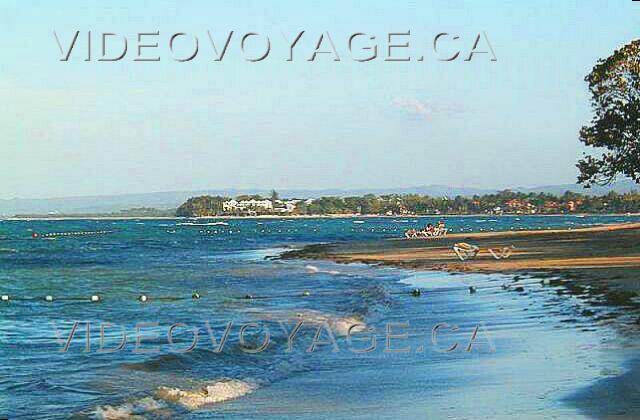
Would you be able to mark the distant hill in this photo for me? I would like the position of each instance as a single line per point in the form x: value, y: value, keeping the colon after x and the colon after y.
x: 619, y: 187
x: 172, y: 199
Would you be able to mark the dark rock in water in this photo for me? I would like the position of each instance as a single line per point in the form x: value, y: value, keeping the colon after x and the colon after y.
x: 416, y: 292
x: 472, y: 289
x: 519, y: 289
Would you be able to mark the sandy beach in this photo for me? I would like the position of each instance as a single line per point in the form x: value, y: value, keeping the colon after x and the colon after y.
x: 607, y: 246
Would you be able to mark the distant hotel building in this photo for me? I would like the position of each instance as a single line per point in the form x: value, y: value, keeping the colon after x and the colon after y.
x: 244, y: 205
x: 259, y: 206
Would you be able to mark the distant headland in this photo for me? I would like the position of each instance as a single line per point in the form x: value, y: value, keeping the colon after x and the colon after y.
x: 501, y: 203
x: 115, y: 204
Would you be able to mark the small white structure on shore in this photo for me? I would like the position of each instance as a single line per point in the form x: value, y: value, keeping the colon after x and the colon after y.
x: 253, y: 205
x: 229, y: 206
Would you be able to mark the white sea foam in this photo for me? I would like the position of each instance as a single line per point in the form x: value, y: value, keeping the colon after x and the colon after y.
x: 210, y: 393
x: 130, y: 410
x: 202, y: 224
x: 344, y: 325
x: 312, y: 269
x: 339, y: 325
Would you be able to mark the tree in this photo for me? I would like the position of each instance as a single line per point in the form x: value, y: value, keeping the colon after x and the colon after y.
x: 202, y: 206
x: 614, y: 84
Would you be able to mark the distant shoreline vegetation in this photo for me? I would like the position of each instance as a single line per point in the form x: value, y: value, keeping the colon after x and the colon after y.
x: 504, y: 202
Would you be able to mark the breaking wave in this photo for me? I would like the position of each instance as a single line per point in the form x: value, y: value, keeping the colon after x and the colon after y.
x: 130, y: 410
x: 312, y: 269
x: 202, y: 224
x: 204, y: 395
x: 211, y: 393
x: 339, y: 324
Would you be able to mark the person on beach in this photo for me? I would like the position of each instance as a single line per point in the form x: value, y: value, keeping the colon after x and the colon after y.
x: 430, y: 230
x: 411, y: 233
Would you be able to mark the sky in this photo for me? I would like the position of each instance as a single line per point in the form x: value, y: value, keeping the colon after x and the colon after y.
x: 81, y: 127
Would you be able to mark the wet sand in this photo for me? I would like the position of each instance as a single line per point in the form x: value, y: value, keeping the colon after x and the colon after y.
x: 600, y: 266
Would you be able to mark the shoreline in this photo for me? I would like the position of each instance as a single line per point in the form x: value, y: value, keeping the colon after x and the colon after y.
x: 302, y: 216
x: 604, y: 246
x: 599, y: 266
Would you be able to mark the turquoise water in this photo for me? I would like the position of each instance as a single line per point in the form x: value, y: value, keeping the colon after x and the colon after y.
x: 532, y: 350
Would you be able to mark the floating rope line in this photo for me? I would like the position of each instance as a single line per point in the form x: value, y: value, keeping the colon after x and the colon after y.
x: 91, y: 299
x: 146, y: 298
x: 416, y: 292
x: 36, y: 235
x: 50, y: 298
x: 515, y: 285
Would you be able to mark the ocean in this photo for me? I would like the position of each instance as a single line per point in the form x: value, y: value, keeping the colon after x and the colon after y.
x: 199, y: 319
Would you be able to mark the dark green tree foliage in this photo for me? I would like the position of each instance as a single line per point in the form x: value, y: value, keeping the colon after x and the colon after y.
x: 614, y: 131
x: 508, y: 202
x: 205, y: 205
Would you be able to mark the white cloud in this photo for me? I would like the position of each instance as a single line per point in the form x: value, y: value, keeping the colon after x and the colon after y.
x: 423, y: 109
x: 414, y: 106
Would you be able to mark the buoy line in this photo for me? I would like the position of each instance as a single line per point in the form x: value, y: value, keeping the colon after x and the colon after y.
x: 517, y: 286
x: 36, y: 235
x: 415, y: 292
x: 97, y: 298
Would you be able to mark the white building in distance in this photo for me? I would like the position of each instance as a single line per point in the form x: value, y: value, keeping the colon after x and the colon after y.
x: 264, y: 206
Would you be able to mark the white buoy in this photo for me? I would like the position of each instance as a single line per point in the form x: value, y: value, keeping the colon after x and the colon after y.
x: 95, y: 298
x: 546, y: 281
x: 142, y: 298
x: 4, y: 298
x: 48, y: 298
